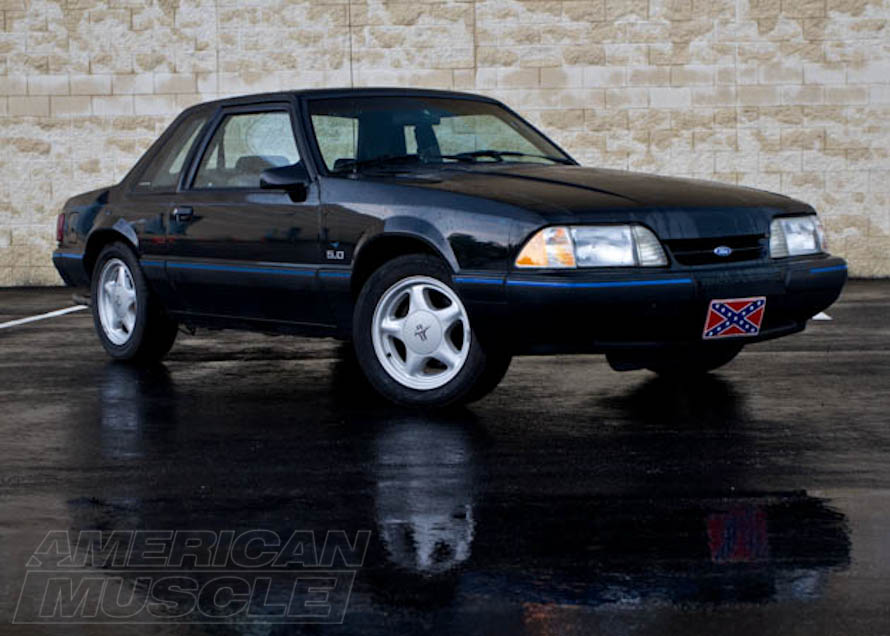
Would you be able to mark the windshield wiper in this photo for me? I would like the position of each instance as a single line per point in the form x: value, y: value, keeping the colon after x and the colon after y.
x: 404, y: 161
x: 499, y: 155
x: 355, y: 165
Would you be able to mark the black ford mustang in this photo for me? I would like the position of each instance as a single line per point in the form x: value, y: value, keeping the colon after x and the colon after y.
x: 441, y: 233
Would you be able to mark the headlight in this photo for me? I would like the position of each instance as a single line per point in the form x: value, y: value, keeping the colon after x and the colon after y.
x: 592, y: 246
x: 796, y: 235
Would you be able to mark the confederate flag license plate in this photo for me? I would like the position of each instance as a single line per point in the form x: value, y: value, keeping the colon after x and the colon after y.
x: 734, y: 317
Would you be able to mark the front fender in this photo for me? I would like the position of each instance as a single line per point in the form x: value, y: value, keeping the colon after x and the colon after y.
x: 418, y: 229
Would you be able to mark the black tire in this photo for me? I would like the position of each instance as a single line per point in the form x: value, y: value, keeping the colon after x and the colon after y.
x: 496, y: 367
x: 694, y: 360
x: 481, y: 371
x: 154, y: 331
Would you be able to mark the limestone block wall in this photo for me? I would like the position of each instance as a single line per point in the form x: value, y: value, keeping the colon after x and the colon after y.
x: 787, y: 95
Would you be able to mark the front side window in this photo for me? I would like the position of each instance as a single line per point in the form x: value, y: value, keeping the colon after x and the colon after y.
x: 355, y: 132
x: 162, y: 173
x: 243, y: 146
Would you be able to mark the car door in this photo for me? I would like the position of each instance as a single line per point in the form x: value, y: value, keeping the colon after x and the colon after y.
x: 236, y: 250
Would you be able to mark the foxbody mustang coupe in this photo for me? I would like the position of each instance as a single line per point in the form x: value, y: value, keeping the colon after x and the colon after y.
x: 442, y: 234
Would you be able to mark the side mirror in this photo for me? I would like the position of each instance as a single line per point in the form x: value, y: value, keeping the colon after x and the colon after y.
x: 293, y: 179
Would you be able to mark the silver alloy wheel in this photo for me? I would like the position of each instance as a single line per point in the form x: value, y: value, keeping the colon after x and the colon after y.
x: 421, y: 333
x: 117, y: 301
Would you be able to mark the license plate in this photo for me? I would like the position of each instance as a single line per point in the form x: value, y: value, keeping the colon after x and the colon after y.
x: 734, y: 317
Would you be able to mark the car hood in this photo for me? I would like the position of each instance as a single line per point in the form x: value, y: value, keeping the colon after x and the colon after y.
x: 674, y: 207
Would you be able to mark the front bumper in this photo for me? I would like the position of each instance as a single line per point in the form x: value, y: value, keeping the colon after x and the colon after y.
x: 586, y: 311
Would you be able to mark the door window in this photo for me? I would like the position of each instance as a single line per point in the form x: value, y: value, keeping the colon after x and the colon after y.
x: 243, y: 146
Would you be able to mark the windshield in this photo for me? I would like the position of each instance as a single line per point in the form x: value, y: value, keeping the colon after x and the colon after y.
x: 355, y: 133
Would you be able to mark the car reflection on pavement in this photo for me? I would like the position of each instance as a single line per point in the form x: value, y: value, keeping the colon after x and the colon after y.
x: 447, y: 525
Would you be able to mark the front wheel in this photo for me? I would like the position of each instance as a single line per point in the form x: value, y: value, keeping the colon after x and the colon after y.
x: 694, y: 360
x: 129, y: 320
x: 413, y: 337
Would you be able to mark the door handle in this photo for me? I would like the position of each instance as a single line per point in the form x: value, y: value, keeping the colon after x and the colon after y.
x: 182, y: 213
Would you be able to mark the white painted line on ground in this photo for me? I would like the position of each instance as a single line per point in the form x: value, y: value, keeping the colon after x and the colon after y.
x: 822, y: 316
x: 52, y: 314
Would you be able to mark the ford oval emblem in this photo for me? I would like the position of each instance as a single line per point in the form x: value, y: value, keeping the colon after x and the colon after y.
x: 723, y: 250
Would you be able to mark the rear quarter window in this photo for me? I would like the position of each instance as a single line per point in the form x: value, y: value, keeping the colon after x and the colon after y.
x: 162, y: 172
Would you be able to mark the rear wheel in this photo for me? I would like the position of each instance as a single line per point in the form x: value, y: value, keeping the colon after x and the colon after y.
x: 694, y: 360
x: 414, y: 340
x: 129, y: 320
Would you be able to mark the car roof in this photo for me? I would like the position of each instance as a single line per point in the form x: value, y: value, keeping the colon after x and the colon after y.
x: 333, y: 93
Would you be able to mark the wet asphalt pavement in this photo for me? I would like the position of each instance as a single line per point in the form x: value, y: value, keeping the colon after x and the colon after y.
x: 572, y: 500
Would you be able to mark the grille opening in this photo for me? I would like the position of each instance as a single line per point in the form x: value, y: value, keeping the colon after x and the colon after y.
x: 746, y: 247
